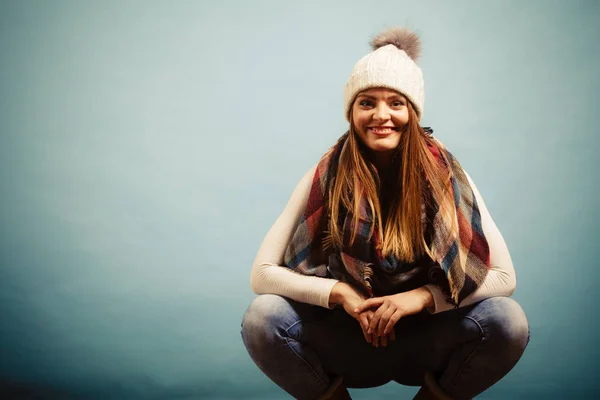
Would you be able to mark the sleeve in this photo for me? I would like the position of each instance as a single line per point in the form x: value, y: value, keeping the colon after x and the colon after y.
x: 269, y: 276
x: 501, y: 278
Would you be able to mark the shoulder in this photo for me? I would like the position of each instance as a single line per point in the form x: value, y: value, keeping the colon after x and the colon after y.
x: 301, y: 192
x: 306, y: 181
x: 474, y: 188
x: 309, y: 175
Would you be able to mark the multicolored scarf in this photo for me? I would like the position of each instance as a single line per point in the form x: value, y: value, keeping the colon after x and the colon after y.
x: 464, y: 257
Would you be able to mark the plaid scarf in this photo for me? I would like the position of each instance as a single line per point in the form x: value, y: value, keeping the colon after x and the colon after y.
x: 464, y: 258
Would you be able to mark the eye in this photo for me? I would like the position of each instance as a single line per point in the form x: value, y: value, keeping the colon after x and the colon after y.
x: 365, y: 103
x: 397, y: 103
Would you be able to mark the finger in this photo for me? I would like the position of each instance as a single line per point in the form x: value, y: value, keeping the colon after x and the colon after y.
x: 372, y: 302
x: 364, y: 324
x: 392, y: 335
x: 389, y: 338
x: 384, y: 341
x: 377, y: 316
x: 392, y: 321
x: 383, y: 321
x: 366, y: 321
x: 375, y: 341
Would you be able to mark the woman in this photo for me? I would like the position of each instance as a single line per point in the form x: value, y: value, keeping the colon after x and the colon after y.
x: 385, y: 264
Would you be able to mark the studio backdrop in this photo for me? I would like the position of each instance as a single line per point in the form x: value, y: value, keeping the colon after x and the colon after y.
x: 146, y: 148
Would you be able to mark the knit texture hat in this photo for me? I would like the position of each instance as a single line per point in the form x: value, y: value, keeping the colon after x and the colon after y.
x: 391, y: 64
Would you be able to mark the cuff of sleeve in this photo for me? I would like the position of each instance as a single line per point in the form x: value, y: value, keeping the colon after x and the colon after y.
x: 328, y: 286
x: 440, y: 303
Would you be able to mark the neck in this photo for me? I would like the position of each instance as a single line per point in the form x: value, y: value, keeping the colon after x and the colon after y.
x: 382, y: 161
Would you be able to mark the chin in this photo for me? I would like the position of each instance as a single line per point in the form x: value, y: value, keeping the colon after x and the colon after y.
x: 384, y: 144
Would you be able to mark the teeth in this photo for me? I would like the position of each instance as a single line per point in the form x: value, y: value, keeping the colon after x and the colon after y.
x: 382, y: 130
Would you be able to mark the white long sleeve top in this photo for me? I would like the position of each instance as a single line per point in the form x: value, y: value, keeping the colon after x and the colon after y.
x: 268, y: 275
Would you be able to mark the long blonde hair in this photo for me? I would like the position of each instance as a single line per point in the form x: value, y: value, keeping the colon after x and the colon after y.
x: 402, y: 234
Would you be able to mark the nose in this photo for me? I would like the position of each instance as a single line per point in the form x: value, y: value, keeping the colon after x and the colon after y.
x: 381, y: 112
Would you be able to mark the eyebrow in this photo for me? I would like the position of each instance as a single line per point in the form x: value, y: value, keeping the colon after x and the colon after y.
x: 394, y: 96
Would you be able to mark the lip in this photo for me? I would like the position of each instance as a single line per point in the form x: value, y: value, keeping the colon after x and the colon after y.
x: 391, y: 129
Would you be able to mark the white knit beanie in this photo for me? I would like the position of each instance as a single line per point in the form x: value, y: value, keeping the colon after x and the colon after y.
x: 391, y: 64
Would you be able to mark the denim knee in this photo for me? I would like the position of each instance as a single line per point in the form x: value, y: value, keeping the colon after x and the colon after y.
x: 264, y: 320
x: 271, y: 331
x: 503, y: 322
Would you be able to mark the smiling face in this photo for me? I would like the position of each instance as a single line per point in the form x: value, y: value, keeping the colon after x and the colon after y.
x: 379, y: 115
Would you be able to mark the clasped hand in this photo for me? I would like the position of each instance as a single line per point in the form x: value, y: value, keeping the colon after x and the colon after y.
x: 378, y: 315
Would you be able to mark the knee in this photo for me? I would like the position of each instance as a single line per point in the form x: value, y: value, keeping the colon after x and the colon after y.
x: 263, y: 320
x: 504, y: 323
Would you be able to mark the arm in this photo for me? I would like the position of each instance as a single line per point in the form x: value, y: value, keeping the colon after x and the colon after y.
x: 268, y: 274
x: 500, y: 280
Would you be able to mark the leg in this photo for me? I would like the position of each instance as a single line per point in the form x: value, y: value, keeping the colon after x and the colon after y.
x: 271, y: 330
x: 503, y: 333
x: 469, y: 349
x: 302, y: 347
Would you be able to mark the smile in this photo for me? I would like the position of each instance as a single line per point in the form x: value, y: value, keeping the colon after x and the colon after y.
x: 382, y: 130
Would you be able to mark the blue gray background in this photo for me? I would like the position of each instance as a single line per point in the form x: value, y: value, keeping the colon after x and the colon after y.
x: 147, y: 147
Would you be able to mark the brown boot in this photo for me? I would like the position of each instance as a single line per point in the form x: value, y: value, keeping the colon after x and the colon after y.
x: 336, y: 391
x: 430, y: 390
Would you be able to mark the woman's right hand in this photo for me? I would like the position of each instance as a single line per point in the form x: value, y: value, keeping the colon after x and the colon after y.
x: 350, y: 299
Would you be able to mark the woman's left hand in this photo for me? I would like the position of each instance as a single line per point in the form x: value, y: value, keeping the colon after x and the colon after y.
x: 391, y: 308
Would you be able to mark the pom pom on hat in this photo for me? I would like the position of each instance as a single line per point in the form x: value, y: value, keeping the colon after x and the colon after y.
x: 402, y: 38
x: 391, y: 64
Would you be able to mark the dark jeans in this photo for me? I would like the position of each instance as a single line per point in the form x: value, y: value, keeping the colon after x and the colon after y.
x: 301, y: 347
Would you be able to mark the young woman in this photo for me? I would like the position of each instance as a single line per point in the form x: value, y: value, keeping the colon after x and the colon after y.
x: 385, y: 264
